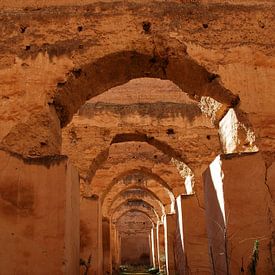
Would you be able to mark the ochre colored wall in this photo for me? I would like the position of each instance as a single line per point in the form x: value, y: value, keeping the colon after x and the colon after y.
x: 238, y: 212
x: 135, y: 249
x: 39, y: 214
x: 91, y: 234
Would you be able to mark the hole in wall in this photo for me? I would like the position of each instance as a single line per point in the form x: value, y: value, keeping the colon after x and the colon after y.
x: 261, y: 24
x: 61, y: 84
x: 212, y: 77
x: 76, y: 72
x: 170, y: 131
x: 22, y: 28
x: 146, y: 25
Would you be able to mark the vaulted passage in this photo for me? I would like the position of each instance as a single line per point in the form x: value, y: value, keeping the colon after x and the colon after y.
x: 137, y: 137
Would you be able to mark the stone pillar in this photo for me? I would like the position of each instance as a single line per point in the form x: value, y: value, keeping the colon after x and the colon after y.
x: 39, y: 214
x: 151, y: 248
x: 193, y: 242
x: 113, y: 246
x: 154, y: 246
x: 118, y: 249
x: 107, y: 258
x: 116, y: 257
x: 91, y: 233
x: 237, y: 213
x: 161, y: 246
x: 170, y: 230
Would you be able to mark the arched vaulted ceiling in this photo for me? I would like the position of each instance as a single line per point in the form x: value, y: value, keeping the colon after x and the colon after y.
x: 87, y: 65
x: 140, y: 175
x: 125, y: 208
x: 174, y: 64
x: 174, y: 137
x: 162, y: 146
x: 157, y: 190
x: 134, y: 221
x: 134, y: 191
x: 136, y: 194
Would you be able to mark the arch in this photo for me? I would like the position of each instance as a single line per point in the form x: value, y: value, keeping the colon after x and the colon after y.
x: 164, y: 199
x: 117, y: 214
x: 113, y: 69
x: 142, y: 170
x: 157, y: 206
x: 140, y: 188
x: 134, y: 210
x: 162, y: 146
x: 158, y: 144
x: 140, y: 203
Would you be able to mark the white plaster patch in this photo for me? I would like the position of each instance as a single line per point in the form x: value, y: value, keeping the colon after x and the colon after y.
x: 209, y: 107
x: 186, y: 173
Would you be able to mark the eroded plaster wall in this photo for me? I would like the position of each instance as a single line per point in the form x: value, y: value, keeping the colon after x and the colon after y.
x: 66, y: 58
x: 238, y: 214
x: 39, y: 208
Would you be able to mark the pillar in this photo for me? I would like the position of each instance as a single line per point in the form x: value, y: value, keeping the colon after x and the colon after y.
x: 161, y: 246
x: 115, y: 248
x: 192, y: 243
x: 154, y: 247
x: 39, y: 214
x: 170, y: 230
x: 118, y: 248
x: 107, y: 258
x: 151, y: 248
x: 91, y: 233
x: 237, y: 214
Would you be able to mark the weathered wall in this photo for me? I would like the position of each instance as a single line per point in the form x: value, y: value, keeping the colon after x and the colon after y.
x: 38, y: 62
x: 238, y: 213
x: 161, y: 246
x: 45, y: 3
x: 135, y: 249
x: 192, y: 240
x: 91, y: 234
x: 39, y: 209
x: 162, y: 122
x: 170, y: 224
x: 53, y: 59
x: 106, y: 244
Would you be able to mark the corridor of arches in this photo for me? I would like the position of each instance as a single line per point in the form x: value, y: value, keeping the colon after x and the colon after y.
x: 136, y: 138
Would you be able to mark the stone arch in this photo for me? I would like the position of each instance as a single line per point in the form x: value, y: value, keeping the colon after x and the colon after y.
x: 106, y: 206
x: 146, y: 197
x: 140, y: 137
x: 165, y: 198
x: 136, y: 203
x: 141, y: 170
x: 158, y: 144
x: 125, y: 209
x: 135, y: 210
x: 117, y: 68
